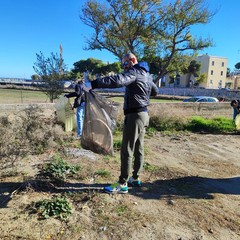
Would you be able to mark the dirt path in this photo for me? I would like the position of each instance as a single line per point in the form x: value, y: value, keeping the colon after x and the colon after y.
x: 191, y: 191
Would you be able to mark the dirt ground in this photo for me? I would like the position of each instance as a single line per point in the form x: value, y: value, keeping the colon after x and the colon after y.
x: 190, y: 191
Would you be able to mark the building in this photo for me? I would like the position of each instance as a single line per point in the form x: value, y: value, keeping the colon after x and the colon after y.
x: 216, y: 72
x: 233, y: 81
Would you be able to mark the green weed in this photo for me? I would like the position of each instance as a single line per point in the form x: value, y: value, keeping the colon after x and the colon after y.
x: 150, y: 168
x: 103, y: 173
x: 58, y: 207
x: 216, y: 125
x: 195, y: 124
x: 58, y: 169
x: 117, y: 144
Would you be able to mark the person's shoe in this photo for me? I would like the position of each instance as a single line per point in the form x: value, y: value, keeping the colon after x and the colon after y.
x: 117, y: 188
x: 134, y: 182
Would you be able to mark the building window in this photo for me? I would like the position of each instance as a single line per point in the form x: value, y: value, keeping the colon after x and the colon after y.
x: 222, y: 64
x: 211, y: 81
x: 220, y: 84
x: 212, y: 63
x: 221, y: 73
x: 211, y: 72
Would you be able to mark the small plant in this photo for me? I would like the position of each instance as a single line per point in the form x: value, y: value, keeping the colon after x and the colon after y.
x: 122, y: 209
x: 59, y: 169
x: 117, y: 144
x: 150, y: 131
x: 150, y: 168
x: 58, y: 207
x: 103, y: 173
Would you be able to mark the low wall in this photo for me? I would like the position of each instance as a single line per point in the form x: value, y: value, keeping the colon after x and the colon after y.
x: 170, y: 109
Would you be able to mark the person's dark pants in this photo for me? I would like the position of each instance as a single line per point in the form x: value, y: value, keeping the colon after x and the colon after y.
x: 133, y: 145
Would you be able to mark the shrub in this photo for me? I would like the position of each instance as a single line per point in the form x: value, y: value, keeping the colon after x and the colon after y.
x: 166, y: 124
x: 27, y: 133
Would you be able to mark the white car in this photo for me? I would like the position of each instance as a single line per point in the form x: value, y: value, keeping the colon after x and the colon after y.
x: 201, y: 99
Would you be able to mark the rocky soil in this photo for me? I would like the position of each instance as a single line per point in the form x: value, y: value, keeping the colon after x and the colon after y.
x: 190, y: 191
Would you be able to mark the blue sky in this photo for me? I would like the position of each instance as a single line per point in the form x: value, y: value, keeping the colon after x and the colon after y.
x: 30, y: 26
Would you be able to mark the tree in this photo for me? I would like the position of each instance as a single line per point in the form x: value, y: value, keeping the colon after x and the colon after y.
x: 51, y: 72
x: 237, y: 65
x: 202, y: 78
x: 151, y: 30
x: 228, y: 73
x: 35, y: 77
x: 95, y: 67
x: 193, y: 69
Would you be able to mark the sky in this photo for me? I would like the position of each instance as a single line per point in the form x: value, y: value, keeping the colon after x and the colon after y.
x: 30, y: 26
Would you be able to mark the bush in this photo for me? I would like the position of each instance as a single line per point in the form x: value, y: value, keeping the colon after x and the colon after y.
x: 166, y: 124
x: 27, y: 133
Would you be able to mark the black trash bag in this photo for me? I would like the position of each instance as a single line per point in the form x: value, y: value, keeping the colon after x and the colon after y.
x: 99, y: 123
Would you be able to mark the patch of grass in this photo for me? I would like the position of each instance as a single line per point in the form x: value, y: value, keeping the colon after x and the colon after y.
x: 103, y: 173
x: 150, y: 168
x: 8, y: 96
x: 195, y: 124
x: 216, y: 125
x: 121, y: 209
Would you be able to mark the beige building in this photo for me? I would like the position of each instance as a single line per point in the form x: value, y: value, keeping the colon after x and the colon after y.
x: 214, y: 67
x: 233, y: 82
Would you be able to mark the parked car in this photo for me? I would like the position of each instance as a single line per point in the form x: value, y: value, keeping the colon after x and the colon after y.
x: 201, y: 99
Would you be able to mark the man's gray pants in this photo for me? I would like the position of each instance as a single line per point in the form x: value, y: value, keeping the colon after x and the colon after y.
x: 133, y: 145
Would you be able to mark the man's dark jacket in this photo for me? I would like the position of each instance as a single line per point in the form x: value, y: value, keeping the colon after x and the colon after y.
x: 139, y: 87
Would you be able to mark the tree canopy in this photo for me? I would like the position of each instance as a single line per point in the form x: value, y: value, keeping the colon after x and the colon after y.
x: 237, y: 65
x: 153, y: 30
x: 95, y: 67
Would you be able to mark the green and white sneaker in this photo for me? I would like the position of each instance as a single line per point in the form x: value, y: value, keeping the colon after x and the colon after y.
x: 117, y: 188
x: 134, y: 182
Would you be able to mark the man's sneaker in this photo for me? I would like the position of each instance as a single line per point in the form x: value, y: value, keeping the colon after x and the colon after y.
x: 134, y: 182
x: 117, y: 188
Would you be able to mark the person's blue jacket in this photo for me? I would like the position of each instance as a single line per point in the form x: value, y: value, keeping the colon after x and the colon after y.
x: 236, y: 110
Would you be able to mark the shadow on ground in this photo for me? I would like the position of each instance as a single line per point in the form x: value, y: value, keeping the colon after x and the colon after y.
x: 185, y: 187
x: 189, y: 187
